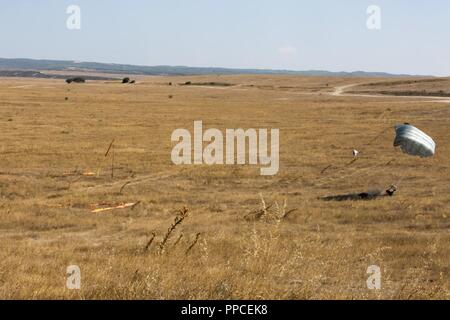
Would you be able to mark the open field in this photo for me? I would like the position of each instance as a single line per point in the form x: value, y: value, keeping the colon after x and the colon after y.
x: 439, y: 87
x: 53, y: 173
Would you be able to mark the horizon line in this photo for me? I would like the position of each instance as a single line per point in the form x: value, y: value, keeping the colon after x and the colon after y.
x: 273, y: 70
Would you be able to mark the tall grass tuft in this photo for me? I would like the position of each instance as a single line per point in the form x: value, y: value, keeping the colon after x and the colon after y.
x: 178, y: 220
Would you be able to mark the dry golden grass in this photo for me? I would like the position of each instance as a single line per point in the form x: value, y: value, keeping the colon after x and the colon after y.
x: 230, y: 245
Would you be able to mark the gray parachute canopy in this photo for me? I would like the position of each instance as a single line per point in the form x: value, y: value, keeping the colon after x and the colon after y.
x: 413, y: 141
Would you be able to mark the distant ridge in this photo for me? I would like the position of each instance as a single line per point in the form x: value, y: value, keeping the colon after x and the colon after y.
x: 38, y: 74
x: 65, y: 65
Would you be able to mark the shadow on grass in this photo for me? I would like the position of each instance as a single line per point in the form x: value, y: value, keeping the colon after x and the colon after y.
x: 369, y: 195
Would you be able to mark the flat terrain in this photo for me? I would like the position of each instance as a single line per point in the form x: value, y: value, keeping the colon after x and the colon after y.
x: 439, y: 87
x: 245, y: 236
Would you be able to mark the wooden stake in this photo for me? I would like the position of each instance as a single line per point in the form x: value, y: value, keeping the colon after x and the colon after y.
x: 112, y: 163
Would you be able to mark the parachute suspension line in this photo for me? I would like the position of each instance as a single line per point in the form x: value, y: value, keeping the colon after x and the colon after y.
x: 378, y: 136
x: 340, y: 169
x: 397, y: 183
x: 383, y: 131
x: 360, y: 171
x: 388, y: 127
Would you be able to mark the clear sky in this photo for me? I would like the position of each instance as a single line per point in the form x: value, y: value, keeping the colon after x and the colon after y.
x: 286, y: 34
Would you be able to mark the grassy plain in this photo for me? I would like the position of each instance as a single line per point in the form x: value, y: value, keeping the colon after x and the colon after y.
x: 53, y: 173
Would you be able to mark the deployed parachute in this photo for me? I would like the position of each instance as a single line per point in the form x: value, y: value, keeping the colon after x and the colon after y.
x: 413, y: 141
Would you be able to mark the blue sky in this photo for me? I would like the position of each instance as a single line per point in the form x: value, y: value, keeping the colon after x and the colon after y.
x: 286, y: 34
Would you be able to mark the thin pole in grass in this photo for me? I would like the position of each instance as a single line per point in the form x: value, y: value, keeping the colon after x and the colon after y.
x: 106, y: 155
x: 109, y: 148
x: 112, y: 162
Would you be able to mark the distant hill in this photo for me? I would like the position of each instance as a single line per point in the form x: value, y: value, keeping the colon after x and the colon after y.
x: 61, y: 65
x: 38, y: 74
